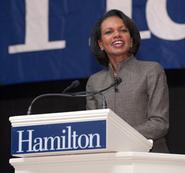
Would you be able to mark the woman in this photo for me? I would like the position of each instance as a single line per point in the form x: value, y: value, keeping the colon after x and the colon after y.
x: 141, y: 99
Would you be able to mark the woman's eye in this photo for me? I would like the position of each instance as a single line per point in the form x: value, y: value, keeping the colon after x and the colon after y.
x: 108, y: 32
x: 124, y: 30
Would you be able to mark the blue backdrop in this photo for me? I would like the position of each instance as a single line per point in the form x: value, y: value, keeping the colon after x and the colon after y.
x: 44, y: 40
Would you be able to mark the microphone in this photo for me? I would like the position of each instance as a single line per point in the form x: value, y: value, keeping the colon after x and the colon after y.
x: 117, y: 81
x: 115, y: 84
x: 74, y: 84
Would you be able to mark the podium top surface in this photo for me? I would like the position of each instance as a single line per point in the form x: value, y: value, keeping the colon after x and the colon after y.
x: 75, y: 116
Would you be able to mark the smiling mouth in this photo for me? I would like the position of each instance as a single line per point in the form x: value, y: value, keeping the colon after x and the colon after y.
x: 117, y: 43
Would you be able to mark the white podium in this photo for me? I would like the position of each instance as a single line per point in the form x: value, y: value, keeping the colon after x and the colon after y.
x: 85, y: 141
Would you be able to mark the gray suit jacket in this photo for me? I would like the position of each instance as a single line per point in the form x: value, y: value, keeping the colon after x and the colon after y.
x: 142, y: 98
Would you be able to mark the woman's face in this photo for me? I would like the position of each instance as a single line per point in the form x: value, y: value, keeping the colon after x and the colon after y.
x: 115, y: 38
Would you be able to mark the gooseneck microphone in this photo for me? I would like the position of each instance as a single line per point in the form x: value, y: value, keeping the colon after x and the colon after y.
x: 115, y: 84
x: 73, y: 85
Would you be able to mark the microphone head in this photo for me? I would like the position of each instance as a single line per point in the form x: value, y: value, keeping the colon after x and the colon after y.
x: 75, y: 83
x: 118, y: 80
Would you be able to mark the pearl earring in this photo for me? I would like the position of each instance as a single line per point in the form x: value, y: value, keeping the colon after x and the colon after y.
x: 131, y: 44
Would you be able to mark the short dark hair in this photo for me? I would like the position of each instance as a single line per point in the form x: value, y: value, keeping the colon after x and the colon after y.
x: 96, y: 35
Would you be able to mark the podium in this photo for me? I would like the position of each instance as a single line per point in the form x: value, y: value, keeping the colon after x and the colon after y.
x: 84, y: 141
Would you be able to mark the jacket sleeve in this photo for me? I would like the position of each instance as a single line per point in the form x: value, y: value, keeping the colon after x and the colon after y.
x: 157, y: 122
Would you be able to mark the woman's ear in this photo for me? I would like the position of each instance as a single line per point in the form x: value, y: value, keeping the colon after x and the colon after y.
x: 131, y: 43
x: 100, y: 45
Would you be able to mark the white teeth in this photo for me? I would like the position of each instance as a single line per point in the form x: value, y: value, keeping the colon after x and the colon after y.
x: 118, y: 42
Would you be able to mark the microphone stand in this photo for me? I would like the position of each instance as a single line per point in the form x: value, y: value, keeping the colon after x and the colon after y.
x: 77, y: 94
x: 87, y: 94
x: 74, y: 84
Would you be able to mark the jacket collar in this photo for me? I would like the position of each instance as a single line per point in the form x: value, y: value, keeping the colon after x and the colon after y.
x: 120, y: 66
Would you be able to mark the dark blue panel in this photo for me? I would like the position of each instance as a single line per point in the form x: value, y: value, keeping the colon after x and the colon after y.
x: 72, y: 21
x: 59, y: 137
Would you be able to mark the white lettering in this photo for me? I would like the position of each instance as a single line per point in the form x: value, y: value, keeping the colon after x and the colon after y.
x: 83, y: 139
x: 50, y: 141
x: 69, y: 136
x: 21, y: 141
x: 74, y: 137
x: 38, y: 144
x: 125, y: 6
x: 69, y: 140
x: 97, y: 139
x: 160, y: 23
x: 36, y: 38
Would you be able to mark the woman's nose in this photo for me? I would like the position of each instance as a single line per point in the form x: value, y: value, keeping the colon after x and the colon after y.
x: 116, y: 33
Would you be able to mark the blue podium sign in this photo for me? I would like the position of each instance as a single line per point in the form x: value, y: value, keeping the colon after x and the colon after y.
x: 62, y: 137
